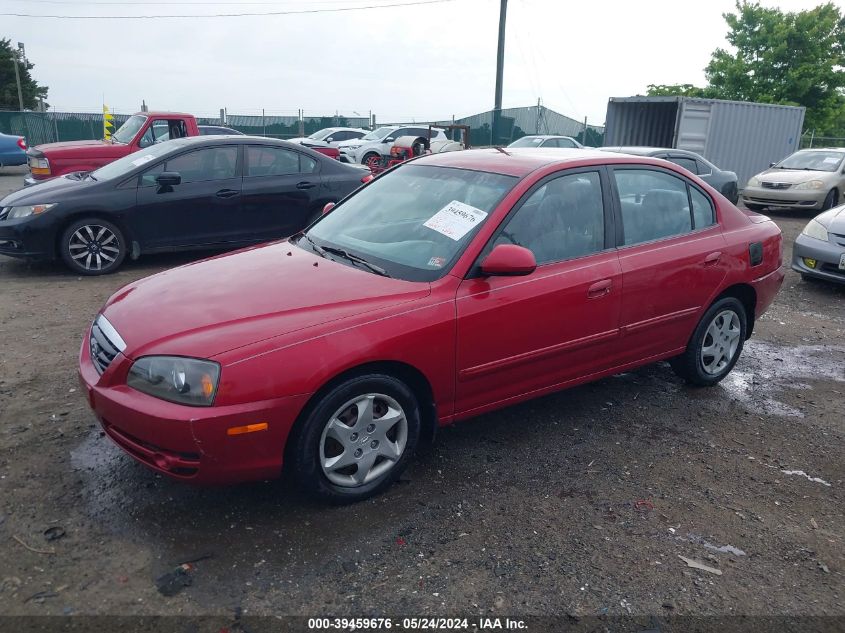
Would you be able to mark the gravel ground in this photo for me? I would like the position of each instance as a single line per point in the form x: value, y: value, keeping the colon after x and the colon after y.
x: 581, y: 503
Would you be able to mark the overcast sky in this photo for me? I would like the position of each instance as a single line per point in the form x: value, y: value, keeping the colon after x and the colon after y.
x: 402, y: 63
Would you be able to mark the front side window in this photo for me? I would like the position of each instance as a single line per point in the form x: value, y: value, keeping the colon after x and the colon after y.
x: 413, y: 222
x: 563, y: 219
x: 276, y: 161
x: 654, y: 205
x: 123, y: 166
x: 210, y: 163
x: 527, y: 141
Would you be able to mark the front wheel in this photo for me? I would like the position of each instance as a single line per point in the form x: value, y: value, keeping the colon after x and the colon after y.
x: 92, y: 247
x: 830, y: 200
x: 358, y: 439
x: 715, y: 344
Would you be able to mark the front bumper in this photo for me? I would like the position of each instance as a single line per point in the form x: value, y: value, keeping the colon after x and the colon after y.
x: 785, y: 198
x: 348, y: 156
x: 27, y: 238
x: 188, y: 443
x: 827, y: 255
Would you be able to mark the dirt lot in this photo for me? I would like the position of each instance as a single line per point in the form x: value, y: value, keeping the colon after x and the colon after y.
x: 532, y: 510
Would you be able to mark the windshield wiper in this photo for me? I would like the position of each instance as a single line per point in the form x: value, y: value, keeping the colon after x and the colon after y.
x: 355, y: 259
x: 317, y: 248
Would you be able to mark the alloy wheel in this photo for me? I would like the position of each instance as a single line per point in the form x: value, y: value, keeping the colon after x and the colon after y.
x: 721, y: 341
x: 363, y: 440
x: 93, y: 247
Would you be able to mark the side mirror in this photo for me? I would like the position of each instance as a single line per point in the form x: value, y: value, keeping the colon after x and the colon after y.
x: 772, y: 164
x: 329, y: 140
x: 509, y: 260
x: 389, y: 139
x: 329, y: 206
x: 169, y: 179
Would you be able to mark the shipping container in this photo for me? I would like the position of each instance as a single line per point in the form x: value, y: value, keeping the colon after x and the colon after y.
x: 735, y: 135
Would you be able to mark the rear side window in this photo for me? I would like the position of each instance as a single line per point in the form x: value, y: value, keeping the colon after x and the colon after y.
x: 563, y: 219
x: 687, y: 163
x: 654, y: 205
x: 276, y: 161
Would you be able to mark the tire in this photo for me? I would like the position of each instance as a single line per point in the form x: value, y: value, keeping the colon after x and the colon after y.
x: 722, y: 329
x: 369, y: 156
x: 754, y: 207
x: 92, y: 246
x: 341, y: 455
x: 830, y: 200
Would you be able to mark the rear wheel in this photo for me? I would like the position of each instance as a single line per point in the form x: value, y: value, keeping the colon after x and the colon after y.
x: 715, y: 344
x: 358, y: 439
x: 92, y: 247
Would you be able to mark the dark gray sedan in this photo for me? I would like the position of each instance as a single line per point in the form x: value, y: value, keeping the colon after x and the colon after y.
x: 820, y: 249
x: 725, y: 182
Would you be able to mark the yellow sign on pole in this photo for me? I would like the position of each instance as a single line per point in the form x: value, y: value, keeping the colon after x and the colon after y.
x: 108, y: 123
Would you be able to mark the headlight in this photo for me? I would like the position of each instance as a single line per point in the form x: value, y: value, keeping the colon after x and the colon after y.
x: 183, y: 380
x: 810, y: 184
x: 815, y: 230
x: 39, y: 163
x: 352, y: 148
x: 33, y: 209
x: 754, y: 181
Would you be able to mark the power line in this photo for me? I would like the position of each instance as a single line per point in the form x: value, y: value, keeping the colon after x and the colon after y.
x: 224, y: 15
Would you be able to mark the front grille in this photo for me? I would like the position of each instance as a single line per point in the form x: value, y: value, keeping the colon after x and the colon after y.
x: 776, y: 185
x: 104, y: 348
x: 838, y: 238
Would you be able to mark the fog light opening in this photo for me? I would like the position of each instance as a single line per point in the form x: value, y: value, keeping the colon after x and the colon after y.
x: 809, y: 262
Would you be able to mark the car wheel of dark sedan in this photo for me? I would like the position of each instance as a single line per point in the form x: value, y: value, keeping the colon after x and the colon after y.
x: 715, y: 345
x: 93, y: 247
x: 358, y: 439
x: 830, y: 200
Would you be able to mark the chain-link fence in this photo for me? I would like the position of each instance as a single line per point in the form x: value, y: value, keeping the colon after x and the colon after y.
x: 810, y: 140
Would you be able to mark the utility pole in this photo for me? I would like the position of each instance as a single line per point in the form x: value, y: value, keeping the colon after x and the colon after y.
x: 500, y: 67
x: 20, y: 51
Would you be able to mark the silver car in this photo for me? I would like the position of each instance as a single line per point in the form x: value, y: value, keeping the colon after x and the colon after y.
x: 820, y: 249
x: 807, y: 179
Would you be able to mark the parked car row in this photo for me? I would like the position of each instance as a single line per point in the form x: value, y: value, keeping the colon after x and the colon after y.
x: 450, y: 285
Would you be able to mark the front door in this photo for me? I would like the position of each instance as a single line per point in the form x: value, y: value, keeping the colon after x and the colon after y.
x: 280, y: 191
x: 202, y: 209
x: 518, y: 335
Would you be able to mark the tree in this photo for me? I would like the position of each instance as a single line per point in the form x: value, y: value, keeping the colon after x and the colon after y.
x: 675, y: 90
x: 786, y: 58
x: 30, y: 89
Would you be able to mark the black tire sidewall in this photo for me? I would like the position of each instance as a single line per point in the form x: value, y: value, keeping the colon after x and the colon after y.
x: 305, y: 456
x: 830, y: 200
x: 727, y: 303
x: 64, y: 249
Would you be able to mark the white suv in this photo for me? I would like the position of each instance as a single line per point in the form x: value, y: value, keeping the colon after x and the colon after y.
x: 378, y: 142
x: 330, y: 137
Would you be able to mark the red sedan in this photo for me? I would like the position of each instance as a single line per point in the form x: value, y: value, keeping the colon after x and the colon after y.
x: 453, y: 285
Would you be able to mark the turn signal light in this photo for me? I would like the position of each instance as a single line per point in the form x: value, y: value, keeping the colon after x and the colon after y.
x: 249, y: 428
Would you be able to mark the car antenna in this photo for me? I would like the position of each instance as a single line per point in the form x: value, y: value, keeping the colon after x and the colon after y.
x: 501, y: 149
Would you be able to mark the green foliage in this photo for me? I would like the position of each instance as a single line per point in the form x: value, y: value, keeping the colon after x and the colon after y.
x: 30, y: 89
x: 789, y: 58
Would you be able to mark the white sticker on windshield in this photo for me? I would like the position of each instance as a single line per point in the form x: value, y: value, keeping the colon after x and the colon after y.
x: 455, y: 220
x: 144, y: 159
x: 832, y: 160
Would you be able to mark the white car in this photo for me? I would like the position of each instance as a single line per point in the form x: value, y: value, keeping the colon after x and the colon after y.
x: 330, y: 137
x: 378, y: 142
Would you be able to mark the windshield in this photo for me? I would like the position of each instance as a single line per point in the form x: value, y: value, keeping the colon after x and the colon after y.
x: 527, y: 141
x: 126, y: 164
x: 816, y: 160
x: 377, y: 135
x: 319, y: 135
x: 128, y: 130
x: 413, y: 222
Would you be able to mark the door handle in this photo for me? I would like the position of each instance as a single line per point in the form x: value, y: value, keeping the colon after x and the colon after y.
x: 227, y: 193
x: 712, y: 258
x: 599, y: 289
x: 305, y: 185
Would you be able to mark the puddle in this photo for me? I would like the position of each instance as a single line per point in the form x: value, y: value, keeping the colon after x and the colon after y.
x: 765, y: 370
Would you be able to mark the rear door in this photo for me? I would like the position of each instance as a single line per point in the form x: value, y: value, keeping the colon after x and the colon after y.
x: 203, y: 209
x: 280, y: 191
x: 671, y: 257
x: 517, y: 335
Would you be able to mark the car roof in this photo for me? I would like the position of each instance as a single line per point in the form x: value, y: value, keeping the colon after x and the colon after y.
x: 544, y: 136
x: 166, y: 114
x: 640, y: 150
x: 230, y: 138
x: 514, y: 161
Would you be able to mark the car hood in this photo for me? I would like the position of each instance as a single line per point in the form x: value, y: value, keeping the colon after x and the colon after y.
x: 217, y: 305
x: 836, y: 223
x: 794, y: 176
x: 46, y: 191
x: 82, y: 148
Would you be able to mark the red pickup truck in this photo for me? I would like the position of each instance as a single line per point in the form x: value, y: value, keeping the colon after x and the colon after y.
x: 139, y: 131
